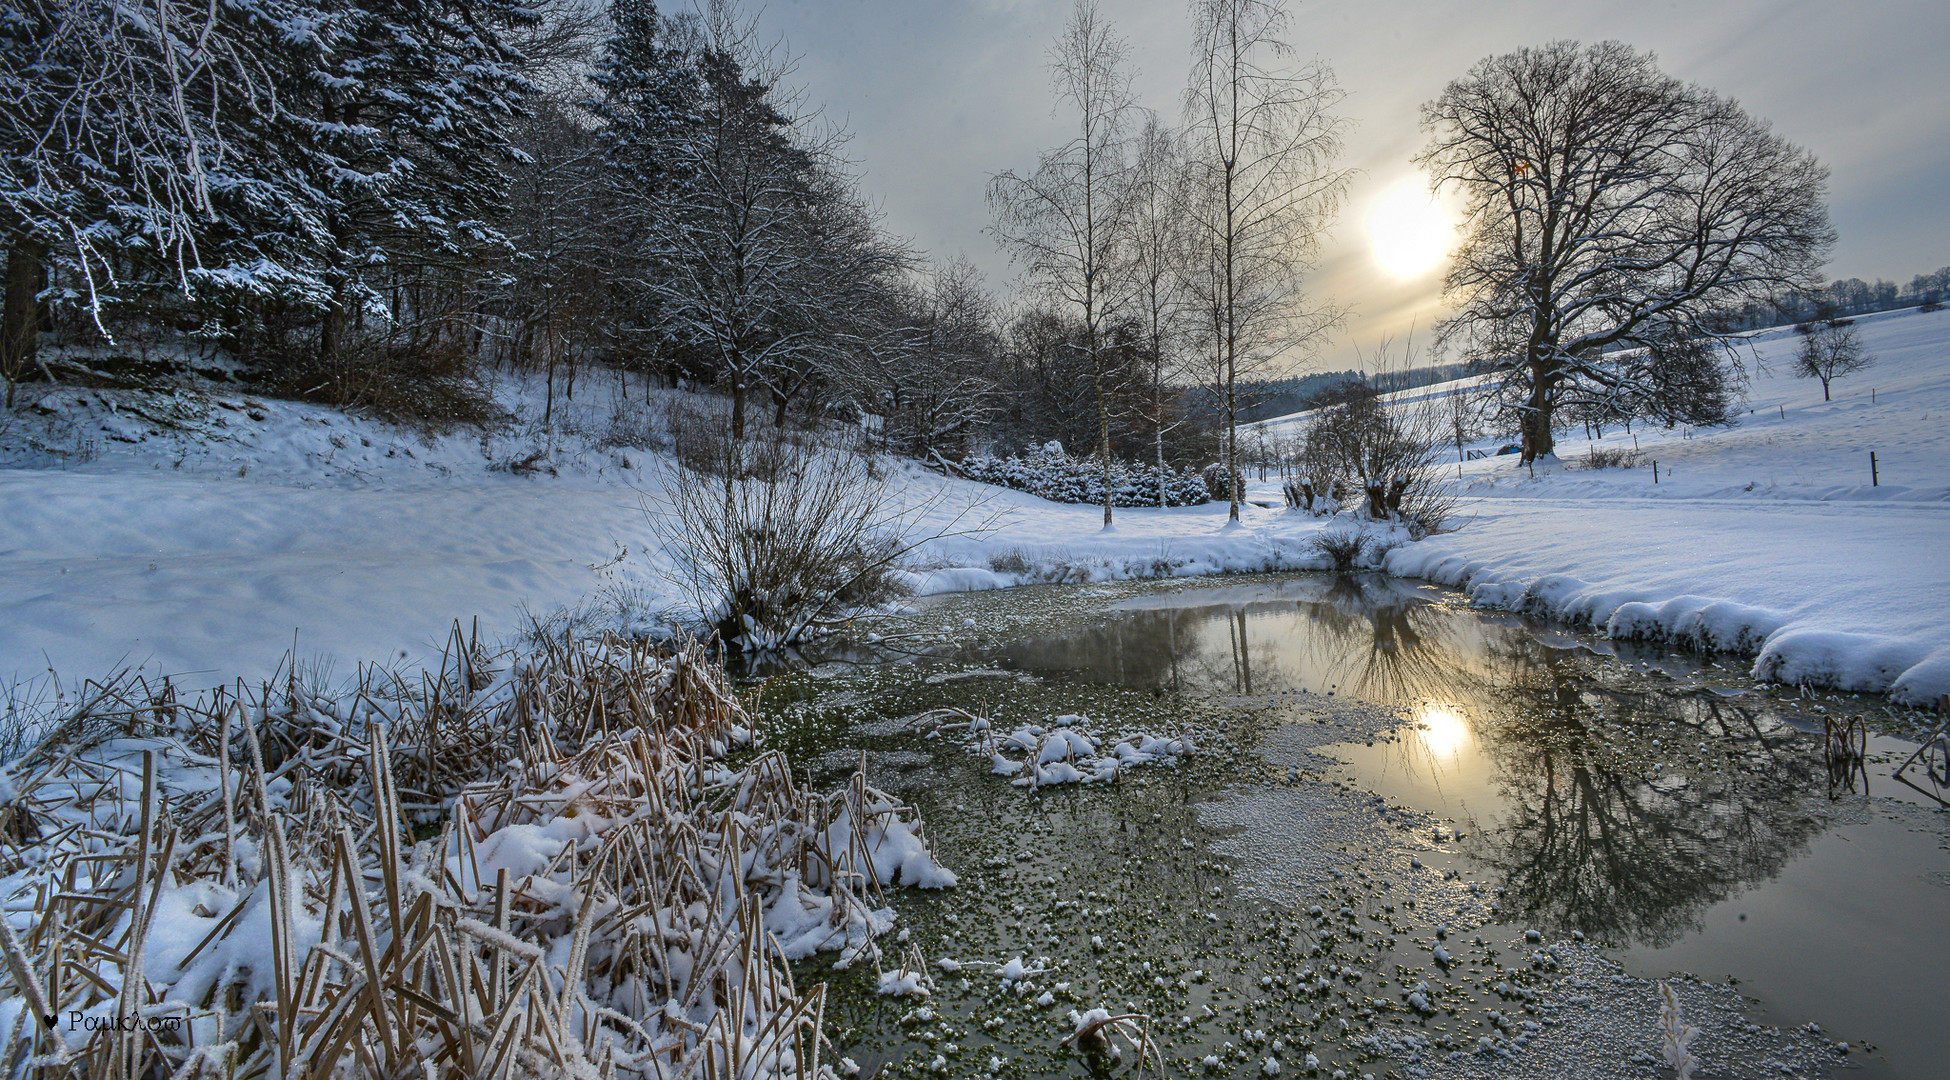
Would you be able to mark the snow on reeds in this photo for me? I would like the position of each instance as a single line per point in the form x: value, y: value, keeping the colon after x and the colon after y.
x: 521, y: 865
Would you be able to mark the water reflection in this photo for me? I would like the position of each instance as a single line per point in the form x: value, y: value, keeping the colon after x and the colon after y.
x: 1587, y: 823
x: 1443, y: 732
x: 1377, y: 638
x: 1595, y: 837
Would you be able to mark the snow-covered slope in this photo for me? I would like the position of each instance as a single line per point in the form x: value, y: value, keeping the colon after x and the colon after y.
x: 1769, y: 537
x: 202, y: 533
x: 205, y: 532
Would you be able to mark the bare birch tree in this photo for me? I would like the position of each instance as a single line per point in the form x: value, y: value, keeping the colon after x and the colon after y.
x: 1160, y: 264
x: 1263, y: 141
x: 1065, y: 223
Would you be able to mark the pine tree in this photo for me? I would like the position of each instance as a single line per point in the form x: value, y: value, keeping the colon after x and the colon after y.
x: 647, y: 96
x: 646, y: 102
x: 410, y: 116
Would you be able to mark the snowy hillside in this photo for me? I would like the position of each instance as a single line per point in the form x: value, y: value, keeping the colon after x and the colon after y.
x: 203, y: 533
x: 1767, y: 537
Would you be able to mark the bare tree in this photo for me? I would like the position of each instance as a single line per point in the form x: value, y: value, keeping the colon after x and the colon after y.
x: 730, y: 235
x: 551, y: 305
x: 1262, y: 143
x: 934, y: 381
x: 1830, y: 350
x: 770, y: 263
x: 1065, y: 223
x: 1612, y: 212
x: 1160, y: 267
x: 113, y: 138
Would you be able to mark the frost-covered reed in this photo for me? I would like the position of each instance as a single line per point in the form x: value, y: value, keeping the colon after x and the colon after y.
x: 552, y: 864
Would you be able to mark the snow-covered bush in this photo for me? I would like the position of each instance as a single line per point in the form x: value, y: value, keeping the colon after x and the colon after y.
x: 1050, y: 474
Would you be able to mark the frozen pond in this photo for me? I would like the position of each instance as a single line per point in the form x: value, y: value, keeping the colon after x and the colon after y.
x: 1517, y: 826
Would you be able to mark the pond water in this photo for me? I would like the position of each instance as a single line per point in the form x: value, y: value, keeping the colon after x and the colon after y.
x: 1390, y: 776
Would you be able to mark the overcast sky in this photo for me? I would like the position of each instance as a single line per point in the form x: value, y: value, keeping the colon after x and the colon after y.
x: 941, y: 94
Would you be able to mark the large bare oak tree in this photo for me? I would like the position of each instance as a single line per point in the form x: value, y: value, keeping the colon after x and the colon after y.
x: 1611, y: 212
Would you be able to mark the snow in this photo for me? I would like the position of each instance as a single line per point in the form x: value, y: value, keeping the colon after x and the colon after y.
x: 203, y: 533
x: 903, y: 983
x: 1066, y: 752
x: 1766, y: 539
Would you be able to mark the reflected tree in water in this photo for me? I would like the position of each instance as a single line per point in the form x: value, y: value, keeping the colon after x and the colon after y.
x: 1634, y: 856
x: 1592, y: 839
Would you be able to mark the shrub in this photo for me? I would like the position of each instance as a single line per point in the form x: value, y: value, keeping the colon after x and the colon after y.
x: 1341, y: 547
x: 775, y: 535
x: 1385, y: 457
x: 1612, y: 458
x: 431, y: 389
x: 1051, y: 475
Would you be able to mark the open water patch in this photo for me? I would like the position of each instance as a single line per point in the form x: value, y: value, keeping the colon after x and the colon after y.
x: 1418, y: 840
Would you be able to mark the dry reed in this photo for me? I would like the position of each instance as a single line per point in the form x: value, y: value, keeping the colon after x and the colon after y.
x: 515, y: 865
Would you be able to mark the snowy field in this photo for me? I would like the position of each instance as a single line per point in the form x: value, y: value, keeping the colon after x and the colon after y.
x: 1765, y: 538
x: 205, y: 534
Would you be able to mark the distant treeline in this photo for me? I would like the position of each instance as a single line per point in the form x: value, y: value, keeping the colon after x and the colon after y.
x: 1841, y: 299
x: 1262, y: 399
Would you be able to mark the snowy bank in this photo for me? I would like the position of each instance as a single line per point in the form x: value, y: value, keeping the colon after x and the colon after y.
x: 1770, y: 538
x: 209, y: 542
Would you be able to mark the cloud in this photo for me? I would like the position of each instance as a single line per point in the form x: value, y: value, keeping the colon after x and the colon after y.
x: 942, y: 93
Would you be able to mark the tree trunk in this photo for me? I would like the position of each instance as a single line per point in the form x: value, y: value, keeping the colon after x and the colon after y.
x: 1232, y: 442
x: 20, y: 326
x: 1160, y: 438
x: 1537, y: 417
x: 548, y: 396
x: 331, y: 332
x: 1824, y: 382
x: 1103, y: 440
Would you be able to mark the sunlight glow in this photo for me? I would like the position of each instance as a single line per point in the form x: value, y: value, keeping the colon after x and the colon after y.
x: 1443, y: 729
x: 1409, y: 230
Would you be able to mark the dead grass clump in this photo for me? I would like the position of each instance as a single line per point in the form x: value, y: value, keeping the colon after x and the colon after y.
x: 1600, y: 457
x: 429, y: 388
x: 519, y: 866
x: 1340, y: 547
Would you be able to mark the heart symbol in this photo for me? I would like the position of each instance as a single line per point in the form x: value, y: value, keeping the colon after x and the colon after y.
x: 48, y: 1019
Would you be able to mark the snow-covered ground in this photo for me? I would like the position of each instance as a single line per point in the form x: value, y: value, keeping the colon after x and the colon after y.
x: 1768, y: 537
x: 202, y: 534
x: 209, y: 542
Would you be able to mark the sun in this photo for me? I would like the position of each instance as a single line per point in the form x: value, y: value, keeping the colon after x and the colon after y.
x: 1409, y: 230
x: 1443, y: 729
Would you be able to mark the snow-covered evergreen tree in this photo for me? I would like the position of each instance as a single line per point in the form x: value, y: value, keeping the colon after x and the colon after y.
x: 140, y: 152
x: 410, y: 116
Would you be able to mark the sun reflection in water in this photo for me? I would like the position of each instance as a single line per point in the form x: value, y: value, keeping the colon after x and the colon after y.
x: 1443, y: 729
